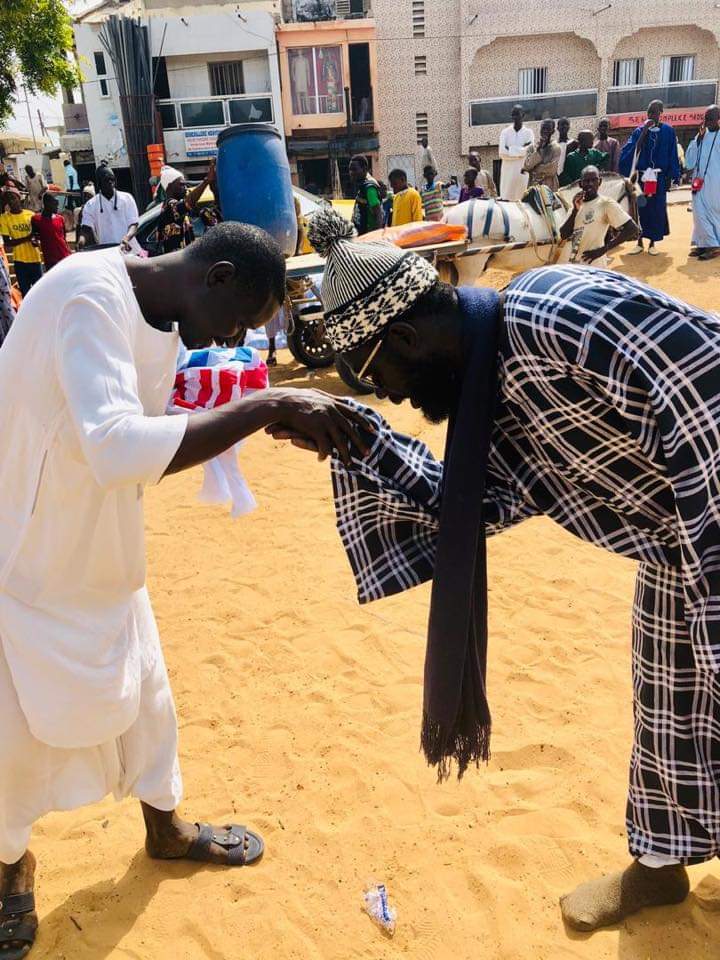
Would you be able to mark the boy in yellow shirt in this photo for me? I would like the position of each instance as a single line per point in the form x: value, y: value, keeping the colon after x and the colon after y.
x: 16, y: 228
x: 406, y: 206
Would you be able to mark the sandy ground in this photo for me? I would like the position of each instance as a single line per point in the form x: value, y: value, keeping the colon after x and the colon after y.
x: 299, y: 714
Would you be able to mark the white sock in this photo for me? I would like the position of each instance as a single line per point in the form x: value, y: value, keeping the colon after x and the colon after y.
x: 657, y: 860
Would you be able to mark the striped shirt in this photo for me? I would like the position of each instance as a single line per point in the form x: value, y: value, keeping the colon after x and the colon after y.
x: 432, y: 201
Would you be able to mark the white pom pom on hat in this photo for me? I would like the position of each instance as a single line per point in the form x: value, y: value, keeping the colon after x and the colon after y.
x: 327, y: 227
x: 365, y: 284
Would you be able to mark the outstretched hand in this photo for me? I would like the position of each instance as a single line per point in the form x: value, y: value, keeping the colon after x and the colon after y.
x: 316, y: 421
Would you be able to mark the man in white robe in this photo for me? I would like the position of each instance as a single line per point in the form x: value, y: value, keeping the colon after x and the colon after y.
x: 515, y: 143
x: 703, y: 159
x: 85, y: 376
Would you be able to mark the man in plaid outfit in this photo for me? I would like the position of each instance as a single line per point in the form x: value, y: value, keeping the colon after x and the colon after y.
x: 607, y: 419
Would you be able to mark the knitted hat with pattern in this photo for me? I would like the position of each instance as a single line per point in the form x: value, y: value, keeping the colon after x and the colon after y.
x: 365, y: 284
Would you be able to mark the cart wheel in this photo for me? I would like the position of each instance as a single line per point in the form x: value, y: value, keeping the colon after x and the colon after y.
x: 348, y: 377
x: 308, y: 342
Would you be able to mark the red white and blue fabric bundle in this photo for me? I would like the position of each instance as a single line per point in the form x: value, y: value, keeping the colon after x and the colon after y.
x: 211, y: 378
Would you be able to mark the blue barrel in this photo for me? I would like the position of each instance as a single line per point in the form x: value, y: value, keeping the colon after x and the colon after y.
x: 253, y: 178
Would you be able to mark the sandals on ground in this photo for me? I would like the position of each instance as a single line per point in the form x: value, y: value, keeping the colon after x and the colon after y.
x: 232, y: 838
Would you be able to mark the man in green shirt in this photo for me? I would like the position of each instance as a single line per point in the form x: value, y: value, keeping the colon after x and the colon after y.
x: 585, y: 156
x: 367, y: 213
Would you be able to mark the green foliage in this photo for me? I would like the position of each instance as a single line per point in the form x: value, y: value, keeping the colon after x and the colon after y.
x: 35, y: 36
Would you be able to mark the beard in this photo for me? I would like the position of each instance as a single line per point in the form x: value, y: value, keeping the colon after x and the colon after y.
x: 435, y: 388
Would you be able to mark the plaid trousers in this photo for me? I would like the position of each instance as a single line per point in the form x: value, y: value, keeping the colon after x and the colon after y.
x: 607, y: 421
x: 674, y: 797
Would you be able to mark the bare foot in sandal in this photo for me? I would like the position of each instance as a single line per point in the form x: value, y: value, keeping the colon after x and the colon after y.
x: 18, y: 919
x: 170, y: 838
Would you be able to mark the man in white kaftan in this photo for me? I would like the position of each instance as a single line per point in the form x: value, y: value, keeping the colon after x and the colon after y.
x: 85, y: 376
x: 515, y: 143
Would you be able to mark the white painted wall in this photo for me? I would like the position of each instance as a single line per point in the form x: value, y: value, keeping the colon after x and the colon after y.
x: 222, y: 31
x: 189, y: 76
x: 104, y: 118
x: 220, y: 35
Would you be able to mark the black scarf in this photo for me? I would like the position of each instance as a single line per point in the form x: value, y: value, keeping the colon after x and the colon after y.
x: 456, y: 715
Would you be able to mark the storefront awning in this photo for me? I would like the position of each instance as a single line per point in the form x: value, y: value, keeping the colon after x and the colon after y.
x: 336, y: 146
x: 17, y: 143
x: 70, y: 142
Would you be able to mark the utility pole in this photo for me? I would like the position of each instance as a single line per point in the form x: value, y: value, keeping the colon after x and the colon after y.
x: 32, y: 127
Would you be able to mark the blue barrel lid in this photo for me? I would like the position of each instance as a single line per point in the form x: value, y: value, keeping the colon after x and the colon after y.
x: 239, y: 128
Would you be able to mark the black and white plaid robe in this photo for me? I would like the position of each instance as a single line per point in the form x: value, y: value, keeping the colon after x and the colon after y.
x: 608, y: 422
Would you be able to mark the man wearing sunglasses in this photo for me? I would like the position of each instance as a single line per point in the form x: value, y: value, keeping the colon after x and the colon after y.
x: 590, y: 398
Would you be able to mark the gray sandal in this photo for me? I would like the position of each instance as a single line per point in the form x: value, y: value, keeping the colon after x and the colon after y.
x: 231, y: 838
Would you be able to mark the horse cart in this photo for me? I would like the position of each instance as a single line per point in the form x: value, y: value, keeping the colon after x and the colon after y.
x: 512, y: 236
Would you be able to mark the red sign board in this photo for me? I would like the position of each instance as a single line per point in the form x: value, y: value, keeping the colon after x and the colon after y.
x: 677, y: 116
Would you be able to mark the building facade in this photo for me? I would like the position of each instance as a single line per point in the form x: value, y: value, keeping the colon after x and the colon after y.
x: 328, y: 73
x: 215, y: 65
x: 453, y: 69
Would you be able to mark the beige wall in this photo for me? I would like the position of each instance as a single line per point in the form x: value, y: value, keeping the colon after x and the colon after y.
x: 572, y: 62
x: 403, y: 95
x: 653, y: 44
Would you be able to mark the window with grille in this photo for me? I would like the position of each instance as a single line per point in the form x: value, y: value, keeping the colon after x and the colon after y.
x: 418, y: 18
x: 226, y: 78
x: 421, y: 126
x: 677, y: 69
x: 532, y: 80
x: 101, y: 71
x: 421, y: 65
x: 628, y: 73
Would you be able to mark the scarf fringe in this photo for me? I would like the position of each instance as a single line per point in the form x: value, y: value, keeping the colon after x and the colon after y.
x: 464, y: 747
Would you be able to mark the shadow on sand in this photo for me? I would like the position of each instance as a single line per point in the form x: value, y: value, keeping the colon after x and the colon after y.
x: 92, y: 921
x: 643, y: 266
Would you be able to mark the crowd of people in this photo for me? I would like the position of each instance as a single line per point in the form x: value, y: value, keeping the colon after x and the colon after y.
x: 35, y: 233
x: 652, y: 159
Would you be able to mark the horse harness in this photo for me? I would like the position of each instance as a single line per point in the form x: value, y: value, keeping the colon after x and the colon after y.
x: 492, y: 205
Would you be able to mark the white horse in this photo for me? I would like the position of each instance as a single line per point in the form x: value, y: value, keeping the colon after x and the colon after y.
x: 510, y: 235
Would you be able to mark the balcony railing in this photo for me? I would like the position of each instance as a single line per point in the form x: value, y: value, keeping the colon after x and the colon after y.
x: 308, y: 104
x: 190, y: 113
x: 538, y: 106
x: 686, y: 93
